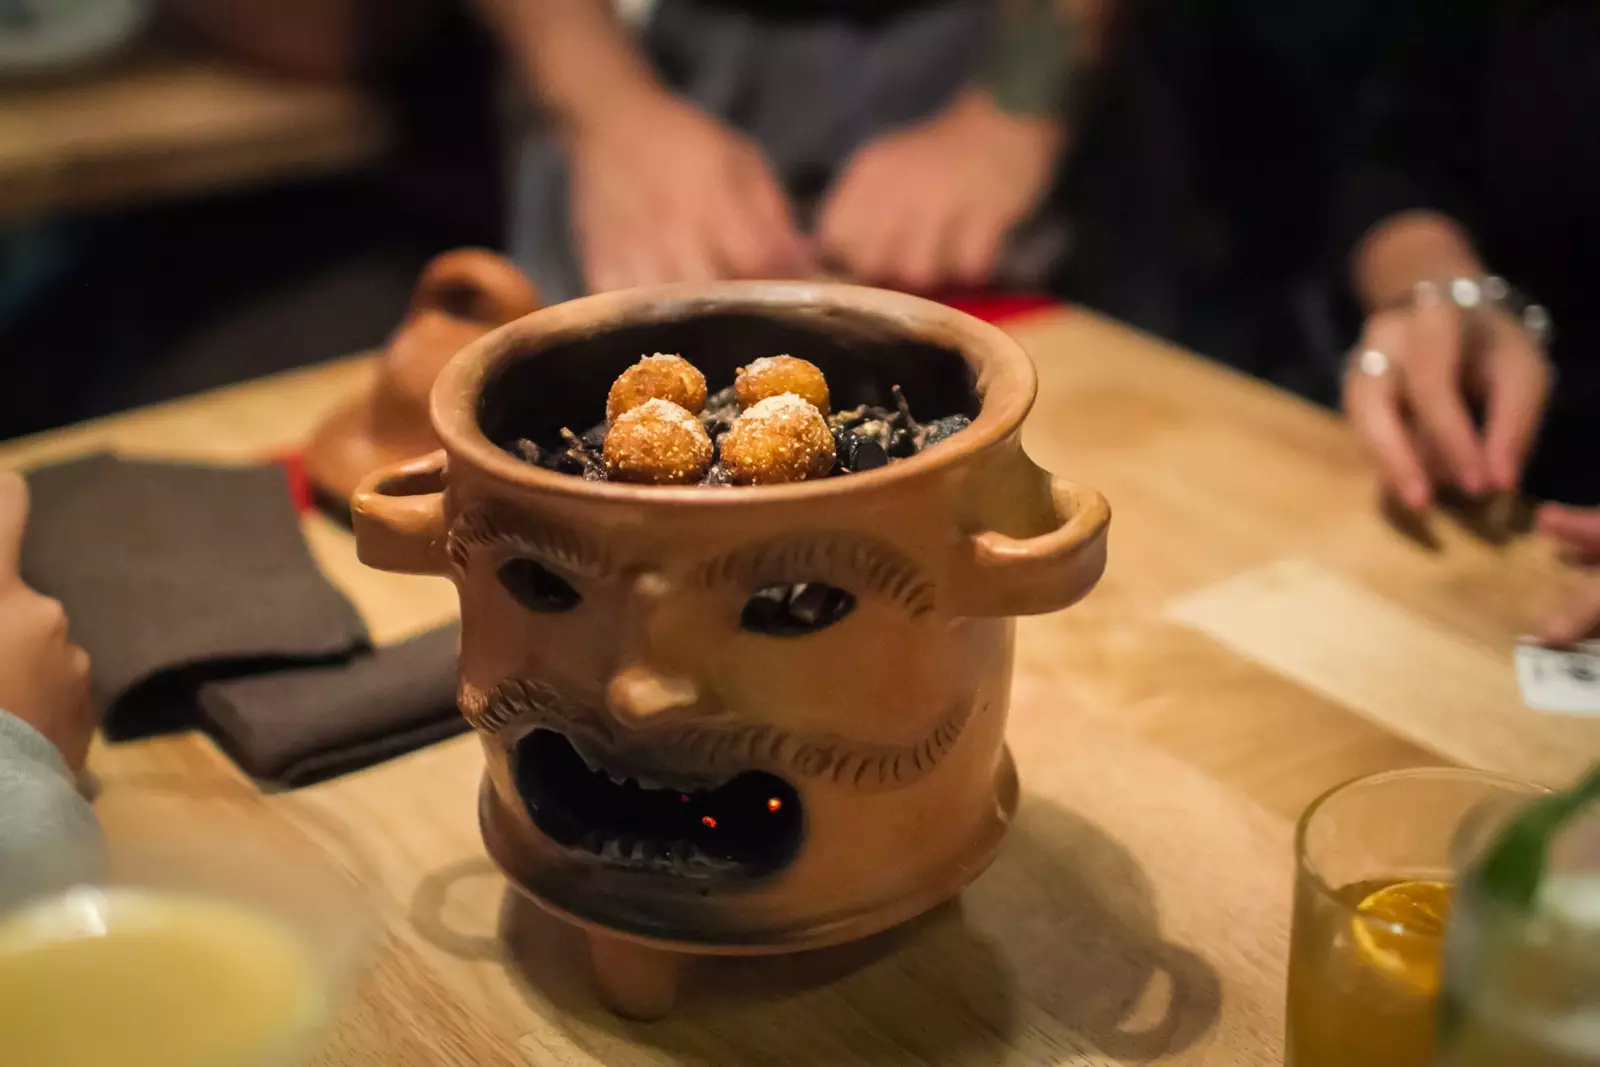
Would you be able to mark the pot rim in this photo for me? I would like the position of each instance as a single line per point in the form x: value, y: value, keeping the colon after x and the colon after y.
x: 1006, y: 381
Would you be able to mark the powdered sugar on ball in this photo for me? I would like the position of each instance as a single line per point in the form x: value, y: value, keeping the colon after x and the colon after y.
x: 772, y: 376
x: 676, y: 414
x: 782, y: 406
x: 781, y: 438
x: 657, y: 377
x: 657, y: 443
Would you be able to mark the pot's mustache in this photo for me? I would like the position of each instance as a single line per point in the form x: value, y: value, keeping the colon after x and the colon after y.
x: 714, y: 749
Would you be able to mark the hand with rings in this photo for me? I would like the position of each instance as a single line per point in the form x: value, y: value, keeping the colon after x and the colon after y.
x: 1408, y: 388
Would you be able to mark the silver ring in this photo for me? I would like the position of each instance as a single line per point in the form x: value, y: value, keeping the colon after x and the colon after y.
x: 1371, y: 363
x: 1466, y: 293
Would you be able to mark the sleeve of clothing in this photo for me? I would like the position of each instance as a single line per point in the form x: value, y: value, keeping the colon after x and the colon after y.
x: 48, y: 832
x: 1030, y: 63
x: 1422, y: 138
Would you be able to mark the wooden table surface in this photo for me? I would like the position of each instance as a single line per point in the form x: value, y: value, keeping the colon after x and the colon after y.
x: 162, y: 123
x: 1261, y: 634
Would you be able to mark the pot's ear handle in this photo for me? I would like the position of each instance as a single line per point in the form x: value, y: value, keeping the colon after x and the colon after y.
x: 1031, y: 576
x: 398, y: 516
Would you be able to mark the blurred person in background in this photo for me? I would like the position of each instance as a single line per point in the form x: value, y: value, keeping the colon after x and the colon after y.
x: 1484, y: 163
x: 898, y: 142
x: 1205, y: 162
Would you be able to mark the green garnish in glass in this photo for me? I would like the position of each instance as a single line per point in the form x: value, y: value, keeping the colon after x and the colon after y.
x: 1514, y: 865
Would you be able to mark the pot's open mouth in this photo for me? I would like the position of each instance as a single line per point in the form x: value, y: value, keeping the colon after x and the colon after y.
x: 747, y: 827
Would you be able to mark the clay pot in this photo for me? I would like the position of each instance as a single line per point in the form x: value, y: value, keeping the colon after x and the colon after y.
x: 460, y: 296
x: 663, y: 773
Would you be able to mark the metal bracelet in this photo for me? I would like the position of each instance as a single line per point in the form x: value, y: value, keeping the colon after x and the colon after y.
x: 1472, y: 291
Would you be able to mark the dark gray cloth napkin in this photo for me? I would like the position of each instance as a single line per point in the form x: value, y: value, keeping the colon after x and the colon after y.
x: 191, y: 584
x: 172, y: 573
x: 298, y: 726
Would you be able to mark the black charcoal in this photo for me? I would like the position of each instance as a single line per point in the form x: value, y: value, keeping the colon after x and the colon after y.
x: 942, y: 429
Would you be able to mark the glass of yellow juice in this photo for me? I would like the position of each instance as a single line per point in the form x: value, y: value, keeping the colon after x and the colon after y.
x: 1373, y: 879
x: 226, y: 938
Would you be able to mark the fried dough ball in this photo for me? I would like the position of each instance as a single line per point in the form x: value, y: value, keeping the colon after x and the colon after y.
x: 776, y: 375
x: 657, y: 443
x: 780, y: 439
x: 657, y: 377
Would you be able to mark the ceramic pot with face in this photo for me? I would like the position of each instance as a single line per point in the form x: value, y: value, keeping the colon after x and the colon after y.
x: 665, y: 768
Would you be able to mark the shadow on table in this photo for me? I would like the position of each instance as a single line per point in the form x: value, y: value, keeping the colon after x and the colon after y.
x: 1075, y: 918
x: 1056, y: 952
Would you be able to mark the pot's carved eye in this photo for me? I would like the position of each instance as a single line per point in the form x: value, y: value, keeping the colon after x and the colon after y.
x: 795, y: 610
x: 538, y: 588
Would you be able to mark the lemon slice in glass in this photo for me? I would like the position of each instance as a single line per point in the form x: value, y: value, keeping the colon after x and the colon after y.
x: 1399, y: 929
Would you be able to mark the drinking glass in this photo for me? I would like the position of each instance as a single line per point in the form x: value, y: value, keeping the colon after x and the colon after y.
x: 1522, y: 981
x: 207, y: 930
x: 1373, y: 875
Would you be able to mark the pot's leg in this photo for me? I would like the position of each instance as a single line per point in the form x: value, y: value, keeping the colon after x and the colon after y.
x: 634, y: 980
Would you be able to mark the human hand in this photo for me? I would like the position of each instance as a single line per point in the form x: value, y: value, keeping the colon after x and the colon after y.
x: 661, y: 192
x: 931, y: 205
x: 44, y: 677
x: 1577, y: 533
x: 1414, y: 417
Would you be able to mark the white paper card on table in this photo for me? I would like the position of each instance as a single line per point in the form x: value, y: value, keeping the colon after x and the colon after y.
x: 1564, y: 680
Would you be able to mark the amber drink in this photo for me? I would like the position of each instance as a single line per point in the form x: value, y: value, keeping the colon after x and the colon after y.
x: 1372, y: 898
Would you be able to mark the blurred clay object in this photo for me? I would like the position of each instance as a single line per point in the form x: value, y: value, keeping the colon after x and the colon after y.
x: 461, y: 296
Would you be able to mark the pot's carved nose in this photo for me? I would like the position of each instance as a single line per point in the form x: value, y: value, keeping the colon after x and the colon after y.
x: 637, y: 695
